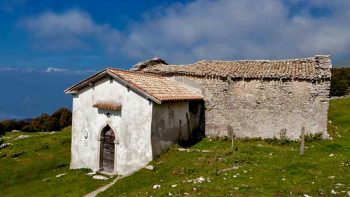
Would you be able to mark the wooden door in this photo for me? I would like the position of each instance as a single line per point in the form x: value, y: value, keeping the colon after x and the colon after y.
x: 108, y: 151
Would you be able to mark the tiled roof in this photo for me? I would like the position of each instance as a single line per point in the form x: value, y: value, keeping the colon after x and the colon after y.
x: 305, y: 68
x: 155, y: 87
x: 159, y: 87
x: 107, y: 105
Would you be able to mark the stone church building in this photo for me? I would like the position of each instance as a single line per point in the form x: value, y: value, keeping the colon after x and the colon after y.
x: 123, y: 119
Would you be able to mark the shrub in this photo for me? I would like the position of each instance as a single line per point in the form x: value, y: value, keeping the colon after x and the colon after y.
x: 277, y: 141
x: 313, y: 137
x: 339, y: 87
x: 57, y: 121
x: 28, y: 128
x: 42, y: 123
x: 2, y: 131
x: 61, y: 119
x: 340, y: 81
x: 10, y: 125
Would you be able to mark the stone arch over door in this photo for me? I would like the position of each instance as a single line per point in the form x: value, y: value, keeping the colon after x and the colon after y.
x: 107, y: 149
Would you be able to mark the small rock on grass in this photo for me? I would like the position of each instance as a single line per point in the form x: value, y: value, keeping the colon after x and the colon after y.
x: 348, y: 193
x: 149, y: 167
x: 228, y: 169
x: 91, y: 173
x: 305, y: 195
x: 22, y: 137
x: 201, y: 179
x: 4, y: 145
x: 183, y: 149
x: 59, y: 175
x: 99, y: 177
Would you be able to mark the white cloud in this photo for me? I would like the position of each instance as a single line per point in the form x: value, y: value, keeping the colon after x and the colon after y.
x: 207, y: 29
x: 241, y: 29
x: 67, y: 71
x: 47, y: 70
x: 53, y: 69
x: 5, y: 69
x: 70, y: 30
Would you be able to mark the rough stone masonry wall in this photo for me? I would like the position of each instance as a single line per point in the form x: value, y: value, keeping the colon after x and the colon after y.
x: 262, y: 108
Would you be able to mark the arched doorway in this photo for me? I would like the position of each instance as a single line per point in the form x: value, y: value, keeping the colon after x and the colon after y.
x: 107, y: 149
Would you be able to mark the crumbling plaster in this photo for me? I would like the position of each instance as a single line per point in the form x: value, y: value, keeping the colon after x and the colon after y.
x: 263, y: 108
x: 175, y: 122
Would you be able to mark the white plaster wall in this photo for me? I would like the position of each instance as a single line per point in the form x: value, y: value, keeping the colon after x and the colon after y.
x: 132, y: 127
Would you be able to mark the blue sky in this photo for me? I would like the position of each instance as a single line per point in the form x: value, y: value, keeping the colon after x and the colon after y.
x: 22, y: 46
x: 47, y: 45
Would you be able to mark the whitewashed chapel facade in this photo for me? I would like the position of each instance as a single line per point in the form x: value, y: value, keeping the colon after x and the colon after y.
x: 122, y: 119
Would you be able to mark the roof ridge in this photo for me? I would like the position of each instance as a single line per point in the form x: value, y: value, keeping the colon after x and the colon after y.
x: 313, y: 58
x: 136, y: 72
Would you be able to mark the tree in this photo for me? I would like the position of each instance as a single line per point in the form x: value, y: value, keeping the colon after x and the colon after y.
x: 339, y: 87
x: 61, y: 118
x: 42, y: 123
x: 22, y: 123
x: 28, y: 128
x: 66, y: 118
x: 9, y: 125
x: 56, y: 122
x: 340, y: 81
x: 2, y: 131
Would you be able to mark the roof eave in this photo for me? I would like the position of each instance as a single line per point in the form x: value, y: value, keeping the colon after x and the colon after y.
x: 74, y: 88
x: 70, y: 92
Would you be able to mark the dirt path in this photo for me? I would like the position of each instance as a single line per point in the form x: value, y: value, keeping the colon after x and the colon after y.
x: 103, y: 188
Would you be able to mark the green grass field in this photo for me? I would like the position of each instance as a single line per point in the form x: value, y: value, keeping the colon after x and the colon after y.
x: 253, y: 168
x: 265, y: 168
x: 29, y: 167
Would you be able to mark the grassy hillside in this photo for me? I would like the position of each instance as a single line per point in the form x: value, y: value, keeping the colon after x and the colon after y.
x: 29, y: 167
x: 253, y: 168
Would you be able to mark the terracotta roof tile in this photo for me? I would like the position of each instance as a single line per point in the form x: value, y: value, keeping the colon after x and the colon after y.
x: 107, y: 105
x: 304, y: 68
x: 159, y: 87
